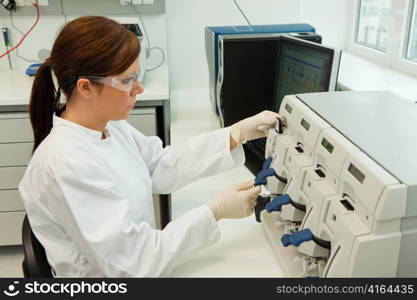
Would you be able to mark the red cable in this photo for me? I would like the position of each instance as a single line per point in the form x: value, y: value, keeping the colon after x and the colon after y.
x: 27, y: 33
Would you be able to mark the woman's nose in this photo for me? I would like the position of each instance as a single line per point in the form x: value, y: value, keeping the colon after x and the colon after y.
x: 138, y: 88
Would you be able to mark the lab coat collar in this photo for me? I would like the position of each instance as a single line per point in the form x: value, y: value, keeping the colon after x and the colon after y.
x: 57, y: 121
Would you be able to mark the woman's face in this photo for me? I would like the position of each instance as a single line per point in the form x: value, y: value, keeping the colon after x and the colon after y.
x: 113, y: 104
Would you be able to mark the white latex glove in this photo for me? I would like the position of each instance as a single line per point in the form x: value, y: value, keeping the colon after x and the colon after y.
x: 235, y: 202
x: 253, y: 127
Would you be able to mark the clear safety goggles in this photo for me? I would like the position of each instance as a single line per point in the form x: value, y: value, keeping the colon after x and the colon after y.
x: 125, y: 85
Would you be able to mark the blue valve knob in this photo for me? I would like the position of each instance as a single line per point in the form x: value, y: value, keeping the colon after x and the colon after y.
x: 267, y: 163
x: 297, y: 238
x: 265, y: 172
x: 277, y: 203
x: 262, y: 175
x: 285, y: 240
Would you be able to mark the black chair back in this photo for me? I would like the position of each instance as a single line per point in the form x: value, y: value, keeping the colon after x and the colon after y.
x: 35, y: 264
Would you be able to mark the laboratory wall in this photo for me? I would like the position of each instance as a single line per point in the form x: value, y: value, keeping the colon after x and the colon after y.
x: 46, y: 30
x: 181, y: 30
x: 41, y: 37
x: 332, y: 19
x: 186, y: 20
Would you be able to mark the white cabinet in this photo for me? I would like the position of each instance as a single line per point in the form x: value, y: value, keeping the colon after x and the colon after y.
x: 15, y: 128
x: 144, y: 119
x: 11, y: 227
x: 16, y: 142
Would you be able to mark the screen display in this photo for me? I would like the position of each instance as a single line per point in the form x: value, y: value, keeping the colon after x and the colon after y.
x: 329, y: 147
x: 305, y: 124
x: 302, y: 69
x: 356, y: 173
x: 288, y: 108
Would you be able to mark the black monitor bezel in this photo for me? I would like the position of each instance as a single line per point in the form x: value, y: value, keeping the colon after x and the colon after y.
x: 311, y: 45
x: 256, y: 38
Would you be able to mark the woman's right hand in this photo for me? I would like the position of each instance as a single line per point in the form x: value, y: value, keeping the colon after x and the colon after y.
x: 235, y: 202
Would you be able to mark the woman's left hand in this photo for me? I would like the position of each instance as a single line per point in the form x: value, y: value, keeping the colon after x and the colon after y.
x: 254, y: 127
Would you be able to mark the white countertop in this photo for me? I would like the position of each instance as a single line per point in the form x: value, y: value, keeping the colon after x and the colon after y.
x: 243, y: 251
x: 156, y: 84
x: 359, y: 74
x: 15, y: 86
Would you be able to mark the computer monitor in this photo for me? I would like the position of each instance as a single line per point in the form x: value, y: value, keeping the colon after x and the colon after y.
x: 305, y: 67
x: 247, y: 74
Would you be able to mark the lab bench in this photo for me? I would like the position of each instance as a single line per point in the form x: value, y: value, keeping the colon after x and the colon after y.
x: 151, y: 116
x: 242, y: 251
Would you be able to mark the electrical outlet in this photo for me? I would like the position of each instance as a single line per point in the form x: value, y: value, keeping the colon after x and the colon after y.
x: 29, y: 2
x: 20, y: 2
x: 8, y: 4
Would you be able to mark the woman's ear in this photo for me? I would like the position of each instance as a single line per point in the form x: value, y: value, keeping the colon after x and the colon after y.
x: 85, y: 88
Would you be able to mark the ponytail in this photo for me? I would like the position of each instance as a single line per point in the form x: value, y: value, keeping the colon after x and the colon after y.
x: 43, y: 103
x: 90, y: 45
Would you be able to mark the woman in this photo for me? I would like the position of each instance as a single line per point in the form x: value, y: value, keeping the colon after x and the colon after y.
x: 88, y: 188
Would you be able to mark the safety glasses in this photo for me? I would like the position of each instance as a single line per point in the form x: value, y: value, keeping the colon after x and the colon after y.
x: 126, y: 85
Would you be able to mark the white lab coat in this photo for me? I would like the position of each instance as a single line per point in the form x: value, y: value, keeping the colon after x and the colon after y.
x: 89, y: 200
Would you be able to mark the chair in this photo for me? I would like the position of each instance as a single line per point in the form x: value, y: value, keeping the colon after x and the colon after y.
x: 34, y: 264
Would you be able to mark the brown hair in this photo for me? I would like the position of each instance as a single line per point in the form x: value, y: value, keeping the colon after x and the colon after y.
x: 89, y: 46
